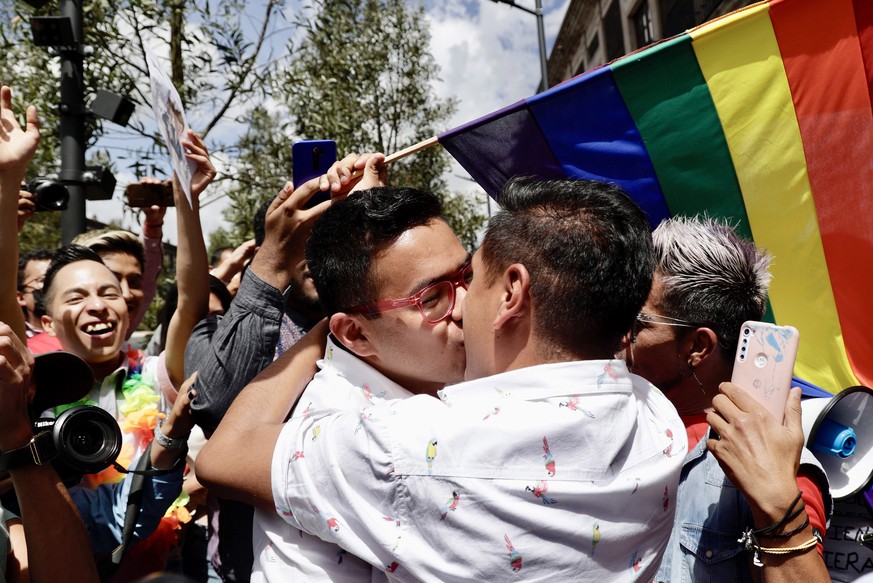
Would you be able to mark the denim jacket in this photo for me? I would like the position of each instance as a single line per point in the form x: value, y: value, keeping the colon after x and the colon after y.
x: 711, y: 514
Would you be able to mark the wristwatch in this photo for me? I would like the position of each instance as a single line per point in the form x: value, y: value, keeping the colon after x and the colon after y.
x: 169, y: 442
x: 36, y: 452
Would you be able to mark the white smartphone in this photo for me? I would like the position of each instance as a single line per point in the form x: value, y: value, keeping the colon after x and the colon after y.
x: 764, y: 363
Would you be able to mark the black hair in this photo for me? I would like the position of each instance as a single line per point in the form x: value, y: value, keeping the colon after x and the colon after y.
x: 215, y: 258
x: 171, y: 302
x: 589, y: 253
x: 345, y: 238
x: 63, y: 257
x: 35, y: 255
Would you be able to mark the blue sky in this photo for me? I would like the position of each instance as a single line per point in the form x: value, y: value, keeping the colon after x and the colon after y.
x: 488, y: 56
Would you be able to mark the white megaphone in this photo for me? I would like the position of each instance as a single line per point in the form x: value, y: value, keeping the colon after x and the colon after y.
x: 839, y: 433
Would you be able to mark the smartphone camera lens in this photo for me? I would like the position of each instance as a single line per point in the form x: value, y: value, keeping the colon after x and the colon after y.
x: 746, y: 331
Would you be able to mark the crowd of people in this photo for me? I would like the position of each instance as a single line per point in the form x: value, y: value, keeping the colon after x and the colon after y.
x: 354, y: 396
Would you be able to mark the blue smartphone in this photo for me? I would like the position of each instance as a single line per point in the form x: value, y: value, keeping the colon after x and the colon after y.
x: 311, y: 158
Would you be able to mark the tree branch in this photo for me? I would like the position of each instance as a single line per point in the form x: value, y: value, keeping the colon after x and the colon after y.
x: 250, y: 63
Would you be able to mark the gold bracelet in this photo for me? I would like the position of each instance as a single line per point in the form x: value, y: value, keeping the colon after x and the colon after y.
x: 786, y: 550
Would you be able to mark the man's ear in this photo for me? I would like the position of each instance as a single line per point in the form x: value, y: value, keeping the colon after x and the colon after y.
x: 515, y: 295
x: 48, y: 325
x: 702, y: 344
x: 352, y: 331
x: 20, y: 297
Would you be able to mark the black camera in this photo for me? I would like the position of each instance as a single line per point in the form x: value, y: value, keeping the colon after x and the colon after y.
x: 85, y: 440
x: 48, y: 194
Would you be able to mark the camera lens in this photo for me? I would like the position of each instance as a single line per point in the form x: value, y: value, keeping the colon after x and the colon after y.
x: 746, y: 331
x: 87, y: 438
x: 49, y: 195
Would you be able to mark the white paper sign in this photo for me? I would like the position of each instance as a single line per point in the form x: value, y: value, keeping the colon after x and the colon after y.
x: 170, y: 117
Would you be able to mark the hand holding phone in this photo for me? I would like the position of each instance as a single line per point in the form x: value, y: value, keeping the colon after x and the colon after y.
x: 146, y: 194
x: 764, y: 363
x: 311, y: 158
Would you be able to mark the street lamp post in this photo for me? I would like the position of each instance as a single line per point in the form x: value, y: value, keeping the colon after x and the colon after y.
x: 541, y: 33
x: 72, y: 126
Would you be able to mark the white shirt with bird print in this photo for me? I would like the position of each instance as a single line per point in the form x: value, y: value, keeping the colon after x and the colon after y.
x: 284, y: 553
x: 560, y: 471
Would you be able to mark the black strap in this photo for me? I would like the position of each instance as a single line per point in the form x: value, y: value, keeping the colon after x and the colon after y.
x: 36, y: 452
x: 134, y: 503
x: 154, y: 471
x: 131, y: 514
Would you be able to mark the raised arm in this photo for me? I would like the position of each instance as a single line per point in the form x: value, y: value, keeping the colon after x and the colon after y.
x: 244, y: 343
x: 255, y: 419
x: 761, y: 457
x: 150, y: 235
x: 17, y: 147
x: 192, y: 263
x: 230, y: 267
x: 56, y: 547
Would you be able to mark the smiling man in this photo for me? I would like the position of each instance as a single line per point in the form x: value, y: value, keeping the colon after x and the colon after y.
x: 87, y: 311
x: 85, y: 308
x: 557, y: 464
x: 135, y: 262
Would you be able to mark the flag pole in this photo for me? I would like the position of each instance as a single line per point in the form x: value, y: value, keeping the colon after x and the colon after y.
x: 424, y: 145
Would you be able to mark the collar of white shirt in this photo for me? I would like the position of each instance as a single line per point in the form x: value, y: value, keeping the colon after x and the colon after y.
x: 546, y: 381
x: 376, y: 386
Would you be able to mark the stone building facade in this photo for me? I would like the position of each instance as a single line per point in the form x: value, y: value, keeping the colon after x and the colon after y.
x: 595, y: 32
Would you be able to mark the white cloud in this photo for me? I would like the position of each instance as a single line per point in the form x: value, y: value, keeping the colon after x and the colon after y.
x: 488, y: 54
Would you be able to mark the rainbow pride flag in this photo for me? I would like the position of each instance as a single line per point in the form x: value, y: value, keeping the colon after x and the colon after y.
x: 762, y: 116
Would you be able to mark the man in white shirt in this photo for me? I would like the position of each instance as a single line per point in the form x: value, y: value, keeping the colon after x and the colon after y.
x: 343, y: 252
x: 561, y: 464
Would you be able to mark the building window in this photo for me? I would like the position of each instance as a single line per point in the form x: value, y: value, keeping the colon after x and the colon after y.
x: 643, y: 25
x: 593, y: 45
x: 677, y: 16
x: 703, y: 10
x: 614, y: 34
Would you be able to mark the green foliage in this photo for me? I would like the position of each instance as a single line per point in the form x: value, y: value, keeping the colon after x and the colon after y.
x: 42, y: 231
x: 362, y: 76
x: 219, y: 238
x: 212, y: 60
x: 263, y: 167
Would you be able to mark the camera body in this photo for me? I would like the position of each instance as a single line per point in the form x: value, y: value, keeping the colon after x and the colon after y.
x: 145, y: 194
x: 85, y: 440
x: 48, y: 194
